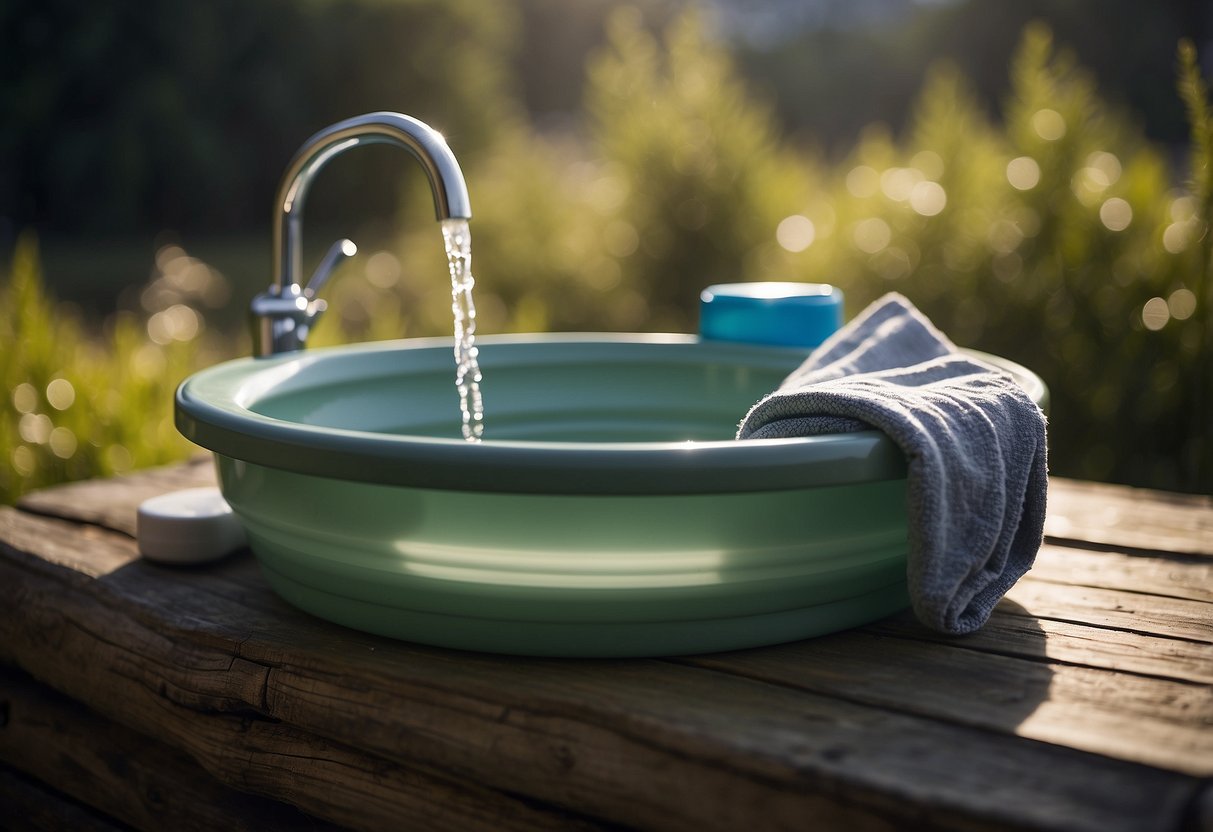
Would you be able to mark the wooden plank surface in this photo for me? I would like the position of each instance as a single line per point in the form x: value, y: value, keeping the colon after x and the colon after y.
x: 124, y: 774
x: 1084, y: 704
x: 167, y: 663
x: 1160, y: 722
x: 112, y: 502
x: 1169, y: 575
x: 1119, y: 516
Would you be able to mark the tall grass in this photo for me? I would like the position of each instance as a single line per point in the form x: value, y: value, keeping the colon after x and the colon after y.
x: 84, y: 402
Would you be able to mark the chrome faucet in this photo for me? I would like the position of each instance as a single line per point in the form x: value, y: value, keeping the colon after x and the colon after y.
x: 285, y: 313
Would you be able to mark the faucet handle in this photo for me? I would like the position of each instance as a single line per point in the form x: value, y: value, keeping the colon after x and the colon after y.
x: 338, y: 252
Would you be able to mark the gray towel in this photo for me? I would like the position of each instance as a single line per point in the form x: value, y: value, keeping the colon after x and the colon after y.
x: 973, y: 439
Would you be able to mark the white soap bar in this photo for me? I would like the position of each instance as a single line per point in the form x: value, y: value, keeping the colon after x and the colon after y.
x: 191, y: 526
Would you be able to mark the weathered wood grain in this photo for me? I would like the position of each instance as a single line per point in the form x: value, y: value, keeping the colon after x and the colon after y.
x: 1174, y: 576
x: 1012, y: 631
x: 122, y: 773
x: 147, y: 672
x: 1132, y: 612
x: 1160, y: 722
x: 642, y: 743
x: 112, y: 502
x: 1118, y: 516
x: 1020, y: 726
x: 29, y: 806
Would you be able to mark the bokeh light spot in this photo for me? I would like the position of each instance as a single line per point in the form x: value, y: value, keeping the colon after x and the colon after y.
x: 148, y: 361
x: 1004, y: 236
x: 35, y: 428
x: 898, y: 183
x: 602, y: 274
x: 1116, y: 214
x: 1182, y: 304
x: 24, y: 461
x: 929, y: 162
x: 620, y: 238
x: 928, y: 198
x: 1088, y: 184
x: 118, y: 458
x: 1107, y: 164
x: 1155, y: 314
x: 1175, y: 236
x: 795, y: 233
x: 862, y: 181
x: 63, y: 442
x: 1048, y: 124
x: 1184, y: 208
x: 383, y: 270
x: 1007, y: 266
x: 177, y: 323
x: 1023, y: 173
x: 60, y: 394
x: 25, y: 398
x: 872, y: 235
x: 892, y: 263
x: 607, y: 193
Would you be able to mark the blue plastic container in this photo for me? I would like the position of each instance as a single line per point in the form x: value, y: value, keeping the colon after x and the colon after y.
x: 778, y: 314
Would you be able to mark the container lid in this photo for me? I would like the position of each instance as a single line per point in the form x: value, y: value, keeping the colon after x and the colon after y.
x: 782, y: 314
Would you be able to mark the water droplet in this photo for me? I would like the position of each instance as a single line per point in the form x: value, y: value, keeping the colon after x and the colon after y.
x: 457, y: 236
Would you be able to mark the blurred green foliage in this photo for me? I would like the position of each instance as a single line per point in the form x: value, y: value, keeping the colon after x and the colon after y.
x: 1054, y: 235
x: 82, y: 403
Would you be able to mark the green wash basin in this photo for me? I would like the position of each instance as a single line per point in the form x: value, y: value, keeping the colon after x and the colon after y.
x: 608, y: 511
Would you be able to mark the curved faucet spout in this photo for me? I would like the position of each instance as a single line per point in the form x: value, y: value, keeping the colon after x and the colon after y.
x: 284, y: 314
